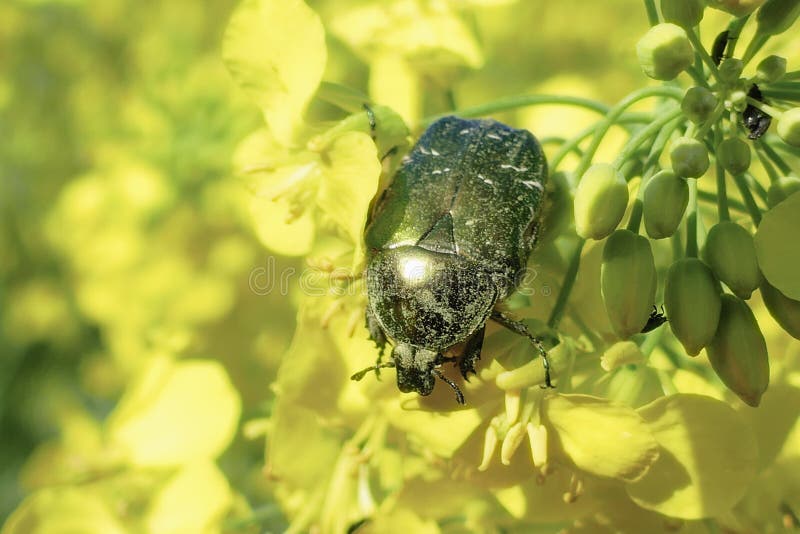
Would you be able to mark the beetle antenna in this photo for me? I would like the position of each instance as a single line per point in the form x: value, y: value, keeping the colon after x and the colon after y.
x: 359, y: 375
x: 459, y: 395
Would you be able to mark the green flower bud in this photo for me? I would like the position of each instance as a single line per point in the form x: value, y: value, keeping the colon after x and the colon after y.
x: 731, y: 254
x: 685, y: 13
x: 600, y: 201
x: 730, y: 70
x: 784, y: 310
x: 776, y: 16
x: 689, y: 157
x: 734, y: 155
x: 664, y: 51
x: 789, y: 127
x: 782, y: 188
x: 738, y: 352
x: 698, y: 104
x: 737, y: 8
x: 665, y: 200
x: 627, y: 281
x: 737, y: 100
x: 771, y: 69
x: 692, y: 301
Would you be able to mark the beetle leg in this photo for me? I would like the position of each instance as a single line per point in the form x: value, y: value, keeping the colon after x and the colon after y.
x: 376, y: 334
x: 518, y: 327
x: 472, y: 353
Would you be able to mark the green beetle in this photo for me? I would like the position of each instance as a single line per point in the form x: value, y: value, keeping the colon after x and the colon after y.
x: 448, y: 240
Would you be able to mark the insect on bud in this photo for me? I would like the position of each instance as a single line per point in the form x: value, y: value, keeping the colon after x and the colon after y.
x: 776, y: 16
x: 771, y: 69
x: 600, y: 201
x: 789, y: 127
x: 664, y: 51
x: 731, y: 254
x: 730, y: 70
x: 698, y: 104
x: 665, y: 200
x: 734, y: 155
x: 782, y: 188
x: 627, y: 282
x: 689, y: 157
x: 685, y: 13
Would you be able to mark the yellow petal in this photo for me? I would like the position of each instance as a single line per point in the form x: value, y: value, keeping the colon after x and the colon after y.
x: 599, y: 437
x: 275, y: 50
x: 709, y: 457
x: 176, y: 413
x: 194, y: 500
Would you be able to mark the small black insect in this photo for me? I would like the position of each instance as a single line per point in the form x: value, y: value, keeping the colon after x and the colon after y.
x: 446, y: 242
x: 719, y: 46
x: 756, y: 121
x: 655, y: 320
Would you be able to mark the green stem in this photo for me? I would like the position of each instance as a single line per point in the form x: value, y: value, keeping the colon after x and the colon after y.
x: 766, y: 108
x: 572, y: 144
x: 779, y: 93
x: 515, y: 102
x: 652, y: 13
x: 691, y: 220
x: 722, y: 193
x: 700, y: 49
x: 771, y: 172
x: 677, y: 246
x: 712, y: 120
x: 566, y: 286
x: 711, y: 198
x: 747, y: 197
x: 775, y: 157
x: 792, y: 75
x: 642, y: 135
x: 617, y: 111
x: 734, y: 30
x: 756, y: 186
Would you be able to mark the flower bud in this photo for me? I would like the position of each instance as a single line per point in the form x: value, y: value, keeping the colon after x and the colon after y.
x: 685, y: 13
x: 665, y: 200
x: 789, y: 127
x: 692, y: 301
x: 731, y: 254
x: 734, y: 155
x: 730, y: 70
x: 600, y: 201
x: 689, y: 157
x: 664, y: 51
x: 737, y: 8
x: 782, y: 188
x: 738, y: 352
x: 784, y: 310
x: 627, y: 281
x: 776, y: 16
x: 698, y: 104
x: 737, y: 100
x: 771, y: 69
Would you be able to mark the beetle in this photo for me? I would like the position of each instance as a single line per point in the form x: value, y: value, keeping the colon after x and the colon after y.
x: 756, y: 121
x: 446, y: 242
x: 655, y: 320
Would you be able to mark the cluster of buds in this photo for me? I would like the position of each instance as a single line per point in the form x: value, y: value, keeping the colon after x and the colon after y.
x: 724, y: 119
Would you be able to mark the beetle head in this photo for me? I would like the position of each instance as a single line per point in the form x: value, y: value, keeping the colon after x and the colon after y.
x: 414, y: 368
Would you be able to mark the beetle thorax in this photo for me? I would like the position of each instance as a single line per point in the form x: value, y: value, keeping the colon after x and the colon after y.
x: 428, y: 299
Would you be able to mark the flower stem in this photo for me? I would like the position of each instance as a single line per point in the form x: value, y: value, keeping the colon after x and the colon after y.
x: 614, y: 114
x: 566, y: 286
x: 747, y: 197
x: 639, y: 137
x: 652, y: 13
x: 691, y: 220
x: 775, y: 157
x: 700, y: 49
x: 722, y: 193
x: 515, y: 102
